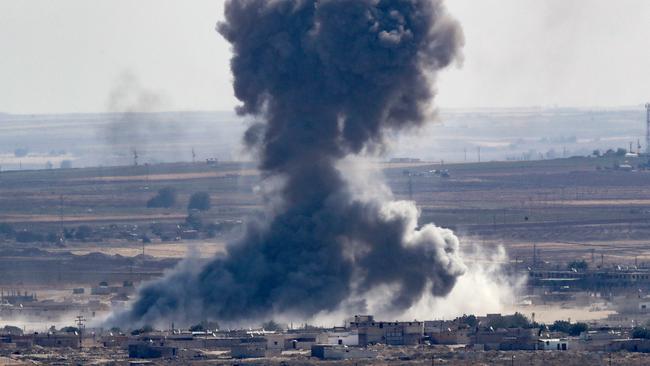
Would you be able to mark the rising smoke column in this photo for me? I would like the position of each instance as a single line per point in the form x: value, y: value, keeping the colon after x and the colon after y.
x: 328, y: 78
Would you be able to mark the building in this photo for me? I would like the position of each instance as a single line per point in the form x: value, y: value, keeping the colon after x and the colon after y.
x: 339, y: 336
x: 553, y: 344
x: 300, y: 340
x: 629, y: 345
x: 249, y: 348
x: 391, y: 333
x: 506, y: 339
x: 446, y: 332
x: 336, y: 352
x: 70, y: 340
x: 151, y: 350
x: 101, y: 289
x: 16, y: 297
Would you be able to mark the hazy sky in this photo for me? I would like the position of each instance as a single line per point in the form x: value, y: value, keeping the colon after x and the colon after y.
x: 68, y: 55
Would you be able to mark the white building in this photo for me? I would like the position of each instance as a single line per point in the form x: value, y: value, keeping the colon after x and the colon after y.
x: 554, y: 344
x: 340, y: 337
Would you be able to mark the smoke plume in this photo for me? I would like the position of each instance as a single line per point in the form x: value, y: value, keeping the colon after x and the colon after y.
x: 329, y: 79
x: 135, y: 122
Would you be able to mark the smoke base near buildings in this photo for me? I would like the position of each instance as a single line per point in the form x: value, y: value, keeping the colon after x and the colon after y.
x: 327, y: 80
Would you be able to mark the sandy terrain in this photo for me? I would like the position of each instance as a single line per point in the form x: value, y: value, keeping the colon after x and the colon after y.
x: 159, y: 250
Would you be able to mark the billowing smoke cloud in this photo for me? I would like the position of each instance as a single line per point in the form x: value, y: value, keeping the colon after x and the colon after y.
x: 328, y: 78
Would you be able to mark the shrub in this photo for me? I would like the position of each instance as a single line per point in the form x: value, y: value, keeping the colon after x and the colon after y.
x: 271, y: 326
x: 197, y: 328
x: 7, y: 229
x: 566, y: 327
x: 194, y: 221
x: 143, y: 330
x: 52, y: 237
x: 12, y: 330
x: 580, y: 266
x: 83, y: 232
x: 641, y: 332
x: 166, y: 197
x: 517, y: 320
x: 28, y: 237
x: 199, y: 201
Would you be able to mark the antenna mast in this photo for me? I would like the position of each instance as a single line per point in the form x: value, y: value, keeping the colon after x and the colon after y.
x: 647, y: 128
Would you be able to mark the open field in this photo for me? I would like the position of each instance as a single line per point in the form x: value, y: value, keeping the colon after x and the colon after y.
x: 566, y: 208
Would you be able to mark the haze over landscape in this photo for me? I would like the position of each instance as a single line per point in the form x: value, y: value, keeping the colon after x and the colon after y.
x: 290, y: 182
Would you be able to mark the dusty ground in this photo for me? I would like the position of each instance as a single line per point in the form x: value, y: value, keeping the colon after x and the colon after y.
x: 200, y: 248
x: 393, y: 356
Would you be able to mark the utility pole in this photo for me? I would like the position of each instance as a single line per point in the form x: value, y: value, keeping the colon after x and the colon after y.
x: 478, y: 152
x: 61, y: 216
x: 80, y: 325
x: 593, y: 260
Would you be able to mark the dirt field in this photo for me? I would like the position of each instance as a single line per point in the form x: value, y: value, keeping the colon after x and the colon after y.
x: 567, y: 208
x: 183, y: 249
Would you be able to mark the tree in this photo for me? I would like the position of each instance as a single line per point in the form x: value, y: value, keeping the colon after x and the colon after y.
x: 143, y: 330
x: 83, y: 232
x: 578, y: 328
x: 596, y: 153
x: 25, y: 236
x: 271, y: 326
x: 199, y: 201
x: 194, y: 221
x: 11, y: 330
x: 197, y: 328
x: 640, y: 332
x: 166, y: 197
x: 7, y: 229
x: 621, y: 152
x: 579, y: 266
x: 470, y: 320
x: 566, y: 327
x: 52, y: 237
x: 70, y: 329
x: 517, y: 320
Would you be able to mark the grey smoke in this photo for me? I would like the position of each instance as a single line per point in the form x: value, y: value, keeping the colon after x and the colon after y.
x: 134, y: 120
x: 329, y: 78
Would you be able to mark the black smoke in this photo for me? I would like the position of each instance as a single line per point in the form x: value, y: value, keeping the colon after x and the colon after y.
x: 329, y: 78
